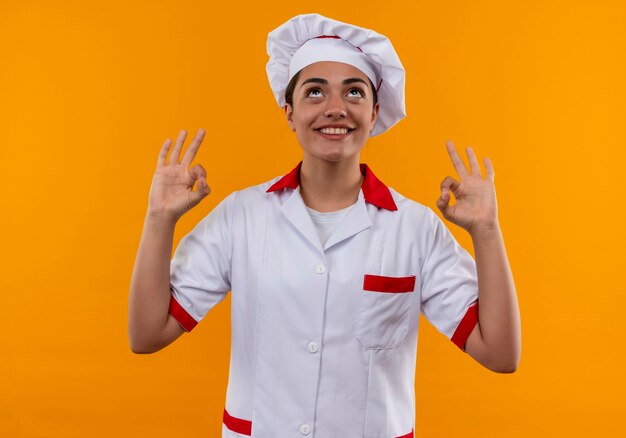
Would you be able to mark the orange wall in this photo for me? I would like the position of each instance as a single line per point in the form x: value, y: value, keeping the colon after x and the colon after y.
x: 90, y: 90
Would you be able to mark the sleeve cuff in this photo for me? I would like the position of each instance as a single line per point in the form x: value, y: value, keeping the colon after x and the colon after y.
x: 466, y: 326
x: 180, y: 314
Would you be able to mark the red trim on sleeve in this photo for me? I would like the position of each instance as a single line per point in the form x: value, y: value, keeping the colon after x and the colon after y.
x: 380, y: 283
x: 466, y: 326
x: 181, y: 315
x: 408, y: 435
x: 237, y: 425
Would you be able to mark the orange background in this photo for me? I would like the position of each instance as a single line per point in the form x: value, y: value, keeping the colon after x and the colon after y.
x: 90, y: 90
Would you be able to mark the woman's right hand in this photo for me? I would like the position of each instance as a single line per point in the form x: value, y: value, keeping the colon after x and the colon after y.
x: 171, y: 193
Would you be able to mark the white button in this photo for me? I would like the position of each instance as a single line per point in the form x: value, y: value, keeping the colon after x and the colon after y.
x: 305, y: 429
x: 313, y: 347
x: 320, y: 269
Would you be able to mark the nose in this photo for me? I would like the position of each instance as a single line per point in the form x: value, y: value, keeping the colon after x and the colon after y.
x: 335, y: 107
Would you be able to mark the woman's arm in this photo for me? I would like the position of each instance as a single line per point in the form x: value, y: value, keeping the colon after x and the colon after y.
x: 150, y: 326
x: 496, y: 340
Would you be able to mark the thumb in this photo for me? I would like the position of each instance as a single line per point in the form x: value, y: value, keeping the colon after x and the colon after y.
x: 443, y: 202
x: 198, y: 173
x: 203, y: 187
x: 201, y: 192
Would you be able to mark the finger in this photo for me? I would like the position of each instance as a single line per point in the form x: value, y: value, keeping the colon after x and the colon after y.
x: 474, y: 166
x: 450, y: 184
x: 203, y: 188
x: 163, y: 152
x: 197, y: 172
x: 175, y: 155
x: 456, y: 160
x: 443, y: 203
x: 195, y: 197
x: 191, y: 151
x: 489, y: 169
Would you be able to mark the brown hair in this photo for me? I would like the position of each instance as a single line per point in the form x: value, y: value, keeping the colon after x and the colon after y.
x: 292, y: 85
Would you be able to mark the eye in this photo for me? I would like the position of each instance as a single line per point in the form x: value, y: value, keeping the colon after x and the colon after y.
x: 314, y: 92
x: 358, y: 91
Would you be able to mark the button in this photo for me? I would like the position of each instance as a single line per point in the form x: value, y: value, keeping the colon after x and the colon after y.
x: 313, y: 347
x: 320, y: 269
x: 305, y: 429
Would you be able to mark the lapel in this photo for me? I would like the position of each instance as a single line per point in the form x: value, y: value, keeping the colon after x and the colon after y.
x: 355, y: 221
x: 295, y: 211
x: 373, y: 191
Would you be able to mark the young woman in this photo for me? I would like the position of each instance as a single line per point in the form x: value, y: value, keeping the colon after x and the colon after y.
x: 329, y: 268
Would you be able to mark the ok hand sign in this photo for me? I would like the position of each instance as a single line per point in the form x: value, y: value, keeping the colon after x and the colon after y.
x: 476, y: 207
x: 171, y: 193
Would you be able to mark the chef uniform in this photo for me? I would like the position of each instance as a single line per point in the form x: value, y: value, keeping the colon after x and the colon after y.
x: 325, y: 320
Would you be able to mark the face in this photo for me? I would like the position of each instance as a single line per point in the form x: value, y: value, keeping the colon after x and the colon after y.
x: 332, y: 112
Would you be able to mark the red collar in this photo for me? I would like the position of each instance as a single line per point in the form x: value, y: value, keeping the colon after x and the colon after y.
x: 374, y: 190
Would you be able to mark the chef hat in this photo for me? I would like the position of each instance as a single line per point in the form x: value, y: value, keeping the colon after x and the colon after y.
x: 310, y: 38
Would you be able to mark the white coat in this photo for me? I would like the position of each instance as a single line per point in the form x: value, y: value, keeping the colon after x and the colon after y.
x: 323, y: 338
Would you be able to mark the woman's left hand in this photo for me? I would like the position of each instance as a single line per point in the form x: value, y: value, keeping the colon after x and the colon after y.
x: 476, y: 208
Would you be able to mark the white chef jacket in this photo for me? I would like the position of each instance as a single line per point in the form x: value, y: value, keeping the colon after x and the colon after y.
x: 324, y: 338
x: 326, y: 222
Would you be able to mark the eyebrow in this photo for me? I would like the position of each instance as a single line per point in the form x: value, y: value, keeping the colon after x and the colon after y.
x: 325, y: 82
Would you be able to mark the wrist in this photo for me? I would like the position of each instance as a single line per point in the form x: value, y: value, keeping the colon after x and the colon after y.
x: 161, y: 218
x: 485, y: 231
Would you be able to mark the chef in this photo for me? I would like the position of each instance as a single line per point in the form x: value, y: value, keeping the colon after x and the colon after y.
x: 328, y: 267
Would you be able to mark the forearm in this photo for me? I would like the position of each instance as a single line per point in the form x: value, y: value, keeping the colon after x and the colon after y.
x: 149, y: 288
x: 498, y: 311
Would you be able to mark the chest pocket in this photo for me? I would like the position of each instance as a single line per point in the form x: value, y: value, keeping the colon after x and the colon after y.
x: 383, y: 313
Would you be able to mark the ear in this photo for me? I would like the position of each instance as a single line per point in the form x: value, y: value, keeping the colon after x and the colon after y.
x: 374, y: 115
x: 289, y: 116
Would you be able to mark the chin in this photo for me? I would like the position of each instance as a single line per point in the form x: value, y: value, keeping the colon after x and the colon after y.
x: 335, y: 157
x: 333, y: 153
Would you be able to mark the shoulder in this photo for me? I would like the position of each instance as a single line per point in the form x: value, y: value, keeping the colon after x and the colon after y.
x: 253, y: 194
x: 411, y: 209
x: 253, y: 197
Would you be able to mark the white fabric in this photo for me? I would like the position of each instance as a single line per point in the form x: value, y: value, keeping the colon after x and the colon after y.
x: 333, y: 49
x: 326, y: 222
x: 284, y: 41
x: 311, y: 350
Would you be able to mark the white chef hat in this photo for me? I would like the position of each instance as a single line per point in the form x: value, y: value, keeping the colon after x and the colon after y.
x: 310, y: 38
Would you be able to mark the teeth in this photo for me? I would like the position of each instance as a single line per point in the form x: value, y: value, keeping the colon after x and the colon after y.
x: 334, y: 131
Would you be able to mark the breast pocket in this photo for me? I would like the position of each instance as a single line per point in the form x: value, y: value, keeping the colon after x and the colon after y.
x: 383, y: 313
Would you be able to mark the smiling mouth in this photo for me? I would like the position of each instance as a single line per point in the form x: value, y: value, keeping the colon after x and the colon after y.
x: 335, y: 131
